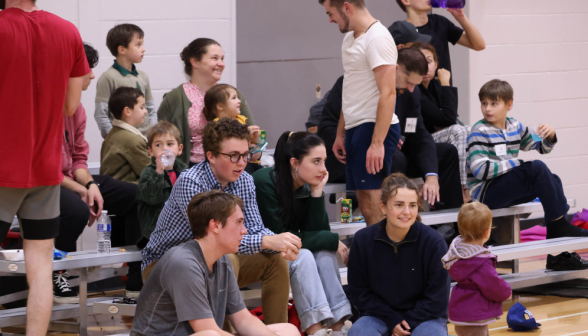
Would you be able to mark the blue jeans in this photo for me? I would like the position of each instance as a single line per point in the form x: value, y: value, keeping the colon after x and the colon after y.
x: 371, y: 326
x: 316, y: 289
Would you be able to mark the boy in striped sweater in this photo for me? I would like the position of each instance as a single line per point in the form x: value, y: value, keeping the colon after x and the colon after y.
x: 497, y: 178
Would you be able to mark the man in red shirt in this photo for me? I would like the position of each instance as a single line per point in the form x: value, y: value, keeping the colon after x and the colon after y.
x: 41, y: 72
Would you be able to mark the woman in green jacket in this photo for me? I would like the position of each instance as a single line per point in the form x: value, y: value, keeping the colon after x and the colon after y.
x: 290, y: 199
x: 204, y: 64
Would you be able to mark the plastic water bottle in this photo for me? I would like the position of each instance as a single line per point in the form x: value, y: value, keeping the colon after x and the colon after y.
x: 168, y: 158
x: 448, y: 3
x: 104, y: 226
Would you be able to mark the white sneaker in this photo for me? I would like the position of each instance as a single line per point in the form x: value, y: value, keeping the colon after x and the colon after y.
x: 323, y: 332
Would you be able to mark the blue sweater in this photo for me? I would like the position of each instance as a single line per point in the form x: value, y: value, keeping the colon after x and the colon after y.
x: 399, y: 281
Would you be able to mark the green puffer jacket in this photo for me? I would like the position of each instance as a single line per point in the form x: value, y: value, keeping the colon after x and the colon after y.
x: 154, y: 190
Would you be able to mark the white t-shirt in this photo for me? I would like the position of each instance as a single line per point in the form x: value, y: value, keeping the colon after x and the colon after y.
x: 360, y: 57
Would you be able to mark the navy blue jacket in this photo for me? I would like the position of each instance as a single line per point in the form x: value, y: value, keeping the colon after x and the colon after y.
x: 399, y: 281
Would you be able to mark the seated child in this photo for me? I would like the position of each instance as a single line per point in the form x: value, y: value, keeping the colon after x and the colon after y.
x: 476, y: 300
x: 222, y: 101
x: 124, y: 151
x: 498, y: 179
x: 157, y: 179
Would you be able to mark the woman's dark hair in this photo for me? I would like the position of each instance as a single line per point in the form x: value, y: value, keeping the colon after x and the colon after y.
x: 196, y: 49
x: 218, y: 94
x: 290, y: 145
x: 427, y: 46
x: 91, y: 54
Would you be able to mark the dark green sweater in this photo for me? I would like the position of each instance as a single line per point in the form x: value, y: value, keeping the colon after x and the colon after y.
x: 311, y: 222
x: 154, y: 190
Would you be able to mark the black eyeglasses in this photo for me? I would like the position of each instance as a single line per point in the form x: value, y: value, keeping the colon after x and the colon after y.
x: 234, y: 158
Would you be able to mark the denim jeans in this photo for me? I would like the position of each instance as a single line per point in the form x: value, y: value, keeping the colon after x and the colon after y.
x: 316, y: 288
x: 372, y: 326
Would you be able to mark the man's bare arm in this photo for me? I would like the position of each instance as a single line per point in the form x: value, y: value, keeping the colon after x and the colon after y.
x: 73, y: 96
x: 386, y: 82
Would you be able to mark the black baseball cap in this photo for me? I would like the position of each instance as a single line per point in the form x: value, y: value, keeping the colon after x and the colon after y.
x: 405, y: 32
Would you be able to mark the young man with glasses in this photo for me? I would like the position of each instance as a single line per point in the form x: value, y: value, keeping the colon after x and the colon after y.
x: 262, y: 254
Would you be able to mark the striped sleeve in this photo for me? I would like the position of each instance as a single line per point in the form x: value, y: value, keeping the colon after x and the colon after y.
x: 528, y: 143
x: 483, y: 161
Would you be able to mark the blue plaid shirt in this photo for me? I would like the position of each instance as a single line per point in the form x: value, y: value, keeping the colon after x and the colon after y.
x: 173, y: 227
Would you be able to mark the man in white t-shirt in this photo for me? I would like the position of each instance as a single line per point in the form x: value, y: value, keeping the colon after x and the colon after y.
x: 368, y: 131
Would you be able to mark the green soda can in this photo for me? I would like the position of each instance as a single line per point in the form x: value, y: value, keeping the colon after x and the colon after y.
x: 262, y: 135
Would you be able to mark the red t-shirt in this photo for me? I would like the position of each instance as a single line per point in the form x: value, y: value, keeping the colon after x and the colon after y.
x: 39, y: 53
x: 172, y: 176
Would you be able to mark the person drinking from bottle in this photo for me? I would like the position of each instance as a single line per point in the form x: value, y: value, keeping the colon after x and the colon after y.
x: 164, y: 144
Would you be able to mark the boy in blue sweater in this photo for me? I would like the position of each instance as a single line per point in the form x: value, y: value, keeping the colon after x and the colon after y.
x: 497, y: 178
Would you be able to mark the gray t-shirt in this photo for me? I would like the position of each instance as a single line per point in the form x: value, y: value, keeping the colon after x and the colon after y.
x: 181, y: 288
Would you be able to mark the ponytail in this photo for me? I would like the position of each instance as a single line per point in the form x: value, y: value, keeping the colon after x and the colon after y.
x: 290, y: 145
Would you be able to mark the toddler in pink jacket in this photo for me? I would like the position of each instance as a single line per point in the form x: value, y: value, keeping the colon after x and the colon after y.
x: 476, y: 300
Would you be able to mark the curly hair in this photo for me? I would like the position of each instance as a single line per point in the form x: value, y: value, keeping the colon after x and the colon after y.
x: 216, y: 132
x: 92, y: 55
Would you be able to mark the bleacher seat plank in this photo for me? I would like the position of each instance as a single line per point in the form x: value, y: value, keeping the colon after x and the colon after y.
x: 448, y: 216
x: 540, y: 247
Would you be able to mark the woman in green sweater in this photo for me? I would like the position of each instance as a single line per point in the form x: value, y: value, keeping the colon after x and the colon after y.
x: 204, y: 64
x: 290, y: 199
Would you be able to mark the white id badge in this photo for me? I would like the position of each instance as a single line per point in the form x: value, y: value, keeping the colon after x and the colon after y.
x: 500, y: 150
x: 411, y: 124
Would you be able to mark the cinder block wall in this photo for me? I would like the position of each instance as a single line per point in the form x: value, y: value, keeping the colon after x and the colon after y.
x: 540, y: 48
x: 168, y: 25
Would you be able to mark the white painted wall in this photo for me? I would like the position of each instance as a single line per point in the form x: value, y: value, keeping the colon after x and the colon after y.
x: 168, y: 25
x: 540, y: 48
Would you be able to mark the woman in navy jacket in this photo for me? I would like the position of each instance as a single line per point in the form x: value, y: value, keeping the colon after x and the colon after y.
x: 396, y: 279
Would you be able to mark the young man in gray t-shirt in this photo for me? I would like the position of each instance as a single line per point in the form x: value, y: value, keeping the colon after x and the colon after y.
x: 193, y: 286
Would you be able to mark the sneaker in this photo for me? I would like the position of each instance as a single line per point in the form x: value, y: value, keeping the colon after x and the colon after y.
x: 134, y: 285
x: 566, y: 261
x: 62, y: 291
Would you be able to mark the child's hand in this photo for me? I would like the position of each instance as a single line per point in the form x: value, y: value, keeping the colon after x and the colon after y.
x: 159, y: 167
x: 254, y: 130
x: 546, y: 131
x: 456, y: 12
x: 443, y: 76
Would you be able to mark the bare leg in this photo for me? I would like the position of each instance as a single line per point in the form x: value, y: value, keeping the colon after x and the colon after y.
x: 338, y: 326
x: 369, y: 203
x: 284, y: 329
x: 39, y: 264
x: 313, y: 329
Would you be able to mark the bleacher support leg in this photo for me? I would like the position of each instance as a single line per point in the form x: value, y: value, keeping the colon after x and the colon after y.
x: 83, y: 301
x: 516, y: 235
